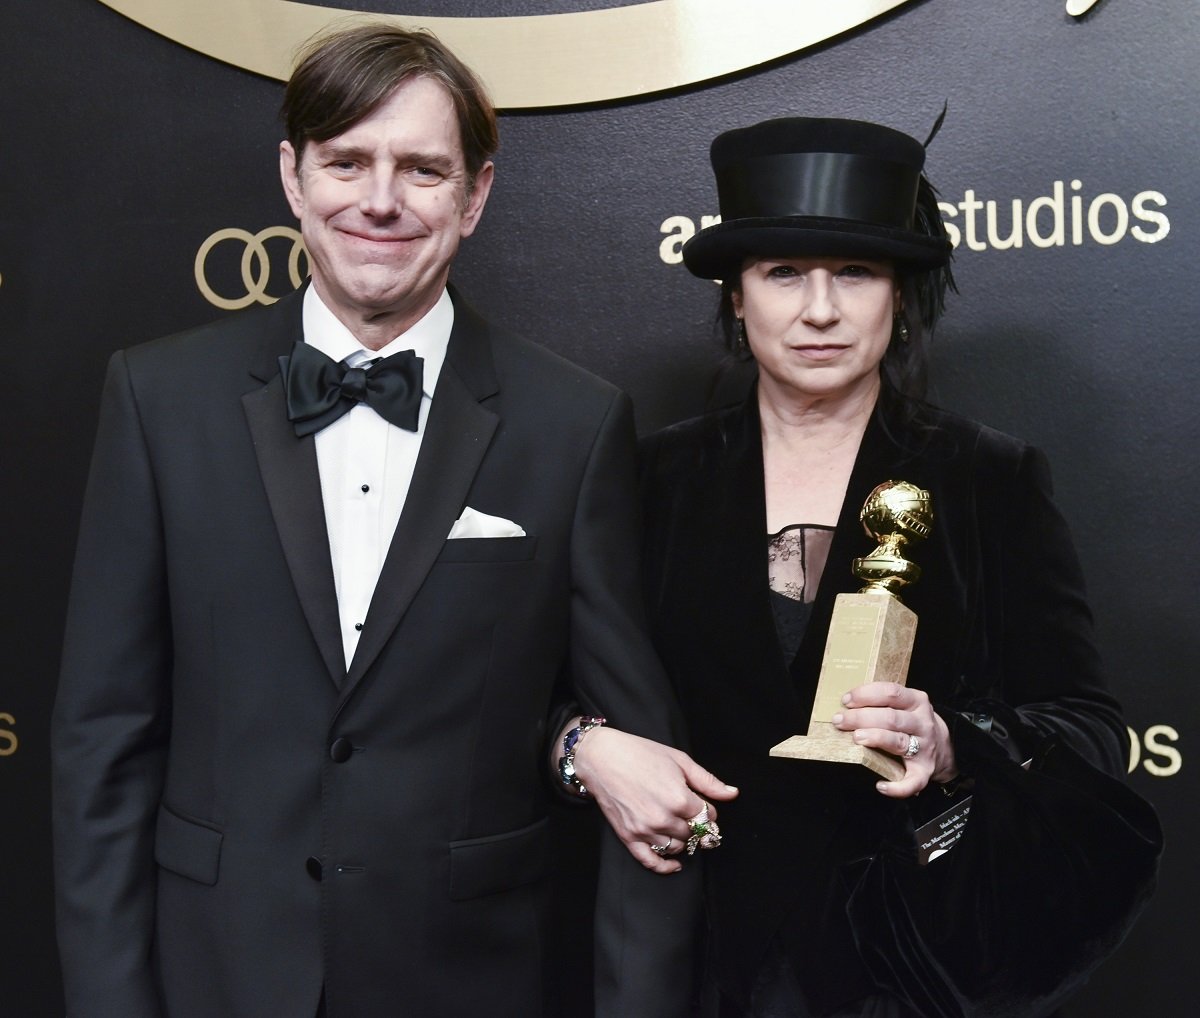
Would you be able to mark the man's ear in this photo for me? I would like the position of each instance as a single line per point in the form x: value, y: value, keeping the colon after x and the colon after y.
x: 289, y: 174
x: 477, y: 199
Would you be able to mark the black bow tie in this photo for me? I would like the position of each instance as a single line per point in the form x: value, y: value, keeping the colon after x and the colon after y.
x: 320, y: 390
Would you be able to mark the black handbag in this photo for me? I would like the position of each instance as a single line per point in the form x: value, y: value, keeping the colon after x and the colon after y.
x: 1053, y: 866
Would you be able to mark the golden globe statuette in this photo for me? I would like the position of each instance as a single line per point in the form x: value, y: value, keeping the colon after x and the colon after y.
x: 871, y: 632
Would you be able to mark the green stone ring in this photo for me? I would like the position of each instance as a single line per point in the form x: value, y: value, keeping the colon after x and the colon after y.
x: 704, y: 832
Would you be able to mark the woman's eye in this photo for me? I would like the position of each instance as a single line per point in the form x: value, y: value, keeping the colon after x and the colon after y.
x: 781, y: 271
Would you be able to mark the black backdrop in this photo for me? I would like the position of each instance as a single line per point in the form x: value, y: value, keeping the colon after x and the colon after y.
x: 122, y: 153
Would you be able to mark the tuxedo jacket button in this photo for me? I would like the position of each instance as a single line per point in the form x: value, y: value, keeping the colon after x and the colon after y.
x: 341, y: 750
x: 313, y: 865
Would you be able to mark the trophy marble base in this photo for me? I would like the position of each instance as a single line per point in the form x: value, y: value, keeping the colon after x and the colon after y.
x: 870, y: 640
x: 835, y: 746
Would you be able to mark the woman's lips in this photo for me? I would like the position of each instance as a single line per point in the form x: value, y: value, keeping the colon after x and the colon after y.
x: 819, y: 352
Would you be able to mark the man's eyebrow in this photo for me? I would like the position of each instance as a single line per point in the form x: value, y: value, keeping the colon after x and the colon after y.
x: 337, y: 150
x: 441, y: 160
x: 334, y: 150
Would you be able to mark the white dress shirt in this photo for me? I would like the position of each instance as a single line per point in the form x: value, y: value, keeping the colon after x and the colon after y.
x: 366, y: 464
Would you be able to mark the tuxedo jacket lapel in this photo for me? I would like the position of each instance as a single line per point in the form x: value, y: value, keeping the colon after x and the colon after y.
x: 288, y: 466
x: 457, y: 436
x: 458, y: 433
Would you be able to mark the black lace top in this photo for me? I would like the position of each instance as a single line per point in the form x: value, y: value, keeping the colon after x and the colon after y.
x: 796, y: 558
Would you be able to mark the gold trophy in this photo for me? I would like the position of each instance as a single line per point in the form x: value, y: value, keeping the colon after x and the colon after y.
x: 871, y: 632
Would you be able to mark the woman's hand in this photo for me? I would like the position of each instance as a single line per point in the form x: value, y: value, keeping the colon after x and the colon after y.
x: 648, y: 792
x: 884, y: 715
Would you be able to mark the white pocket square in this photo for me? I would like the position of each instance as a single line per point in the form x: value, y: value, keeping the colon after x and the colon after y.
x: 473, y: 523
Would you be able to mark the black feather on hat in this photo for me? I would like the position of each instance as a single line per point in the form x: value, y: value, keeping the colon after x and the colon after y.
x: 814, y: 186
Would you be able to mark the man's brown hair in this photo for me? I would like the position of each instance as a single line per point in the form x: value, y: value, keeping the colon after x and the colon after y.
x: 341, y: 78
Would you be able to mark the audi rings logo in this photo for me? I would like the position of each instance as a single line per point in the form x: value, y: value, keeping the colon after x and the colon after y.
x: 254, y: 263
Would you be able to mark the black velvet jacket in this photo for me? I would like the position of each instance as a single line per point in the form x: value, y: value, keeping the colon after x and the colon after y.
x: 1002, y: 617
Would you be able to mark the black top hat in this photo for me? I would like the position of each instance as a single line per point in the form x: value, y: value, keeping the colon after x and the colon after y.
x: 810, y: 186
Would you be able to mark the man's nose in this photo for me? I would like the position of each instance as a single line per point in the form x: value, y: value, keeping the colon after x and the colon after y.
x: 381, y: 198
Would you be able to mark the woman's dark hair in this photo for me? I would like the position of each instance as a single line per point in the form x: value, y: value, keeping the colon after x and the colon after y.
x: 341, y: 78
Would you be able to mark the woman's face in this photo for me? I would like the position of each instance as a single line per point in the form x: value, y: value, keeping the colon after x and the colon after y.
x: 818, y: 327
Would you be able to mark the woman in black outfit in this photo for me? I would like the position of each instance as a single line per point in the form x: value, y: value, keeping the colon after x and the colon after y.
x: 835, y: 262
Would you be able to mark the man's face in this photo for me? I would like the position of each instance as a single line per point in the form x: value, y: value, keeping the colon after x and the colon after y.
x: 383, y: 206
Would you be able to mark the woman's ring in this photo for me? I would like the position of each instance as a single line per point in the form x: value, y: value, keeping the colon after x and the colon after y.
x: 704, y: 832
x: 662, y: 850
x: 914, y: 747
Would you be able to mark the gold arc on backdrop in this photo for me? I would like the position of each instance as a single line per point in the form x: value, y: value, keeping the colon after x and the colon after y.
x: 533, y: 60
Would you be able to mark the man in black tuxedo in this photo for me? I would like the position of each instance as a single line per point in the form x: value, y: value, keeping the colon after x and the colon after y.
x: 339, y: 560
